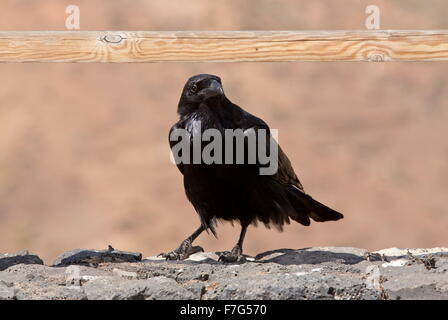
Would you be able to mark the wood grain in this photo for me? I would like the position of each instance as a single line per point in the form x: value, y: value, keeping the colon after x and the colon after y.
x: 223, y: 46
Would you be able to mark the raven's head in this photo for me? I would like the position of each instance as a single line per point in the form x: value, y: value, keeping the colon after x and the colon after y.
x: 198, y: 89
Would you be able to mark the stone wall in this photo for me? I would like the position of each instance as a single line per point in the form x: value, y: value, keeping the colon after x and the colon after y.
x: 311, y: 273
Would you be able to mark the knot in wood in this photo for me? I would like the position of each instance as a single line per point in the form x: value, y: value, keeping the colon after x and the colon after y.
x: 377, y: 57
x: 112, y: 38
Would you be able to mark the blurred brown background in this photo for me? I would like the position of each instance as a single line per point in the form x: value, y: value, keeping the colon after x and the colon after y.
x: 84, y: 158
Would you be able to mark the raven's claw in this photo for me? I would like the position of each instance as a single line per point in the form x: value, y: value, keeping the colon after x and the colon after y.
x: 231, y: 256
x: 183, y: 252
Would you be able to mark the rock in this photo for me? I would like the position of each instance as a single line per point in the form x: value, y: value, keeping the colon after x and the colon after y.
x: 313, y: 255
x: 397, y: 253
x: 21, y: 257
x: 110, y: 288
x: 7, y: 291
x: 125, y: 274
x: 311, y: 274
x: 48, y: 283
x: 205, y: 257
x: 92, y: 257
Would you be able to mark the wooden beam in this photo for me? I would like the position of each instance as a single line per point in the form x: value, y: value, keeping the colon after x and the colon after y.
x: 223, y: 46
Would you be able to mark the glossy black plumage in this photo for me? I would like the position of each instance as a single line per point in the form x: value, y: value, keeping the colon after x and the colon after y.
x: 237, y: 192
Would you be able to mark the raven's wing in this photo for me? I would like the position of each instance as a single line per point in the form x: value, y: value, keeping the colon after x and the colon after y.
x: 285, y: 173
x: 172, y: 143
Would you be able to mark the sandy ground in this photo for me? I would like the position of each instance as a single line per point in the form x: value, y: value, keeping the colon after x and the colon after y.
x: 84, y: 156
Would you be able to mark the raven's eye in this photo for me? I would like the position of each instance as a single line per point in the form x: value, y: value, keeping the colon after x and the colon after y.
x: 194, y: 88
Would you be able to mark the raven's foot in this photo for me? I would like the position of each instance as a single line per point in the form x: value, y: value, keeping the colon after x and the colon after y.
x: 232, y: 256
x: 183, y: 252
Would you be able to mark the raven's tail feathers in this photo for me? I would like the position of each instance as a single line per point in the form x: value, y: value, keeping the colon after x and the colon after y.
x: 305, y: 206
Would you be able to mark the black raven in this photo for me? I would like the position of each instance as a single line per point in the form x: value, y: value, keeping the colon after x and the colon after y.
x: 235, y: 192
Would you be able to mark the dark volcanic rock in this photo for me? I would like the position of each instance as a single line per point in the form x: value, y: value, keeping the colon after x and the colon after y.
x: 21, y: 257
x: 92, y: 257
x: 313, y: 255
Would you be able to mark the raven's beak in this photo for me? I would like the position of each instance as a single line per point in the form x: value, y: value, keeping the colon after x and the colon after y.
x: 213, y: 90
